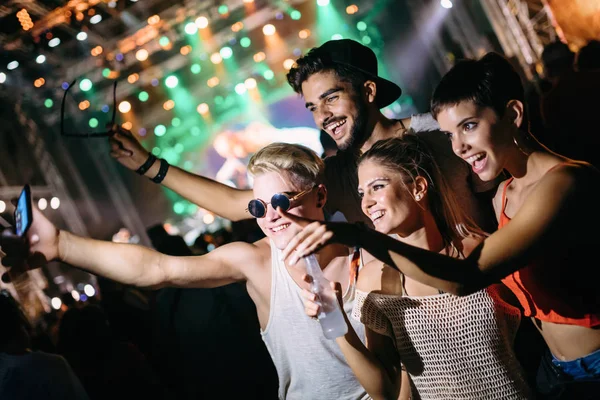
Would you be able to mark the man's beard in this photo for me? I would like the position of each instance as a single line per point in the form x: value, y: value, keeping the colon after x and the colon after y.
x: 358, y: 134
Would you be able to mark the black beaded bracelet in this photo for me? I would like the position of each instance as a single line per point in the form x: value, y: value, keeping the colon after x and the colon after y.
x: 146, y: 166
x: 162, y: 172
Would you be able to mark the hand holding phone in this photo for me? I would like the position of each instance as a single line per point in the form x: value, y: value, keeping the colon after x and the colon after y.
x: 23, y: 212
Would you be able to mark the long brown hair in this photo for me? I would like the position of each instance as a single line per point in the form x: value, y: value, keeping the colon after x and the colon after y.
x: 411, y: 157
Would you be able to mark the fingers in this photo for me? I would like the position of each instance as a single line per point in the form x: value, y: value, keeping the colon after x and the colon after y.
x: 310, y: 240
x: 295, y: 243
x: 311, y: 305
x: 302, y: 222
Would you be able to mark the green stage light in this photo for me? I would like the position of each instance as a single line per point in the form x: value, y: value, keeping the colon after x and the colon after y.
x: 268, y: 74
x: 179, y: 207
x: 160, y: 130
x: 240, y: 88
x: 366, y: 40
x: 226, y: 52
x: 223, y: 9
x: 164, y: 41
x: 156, y: 151
x: 245, y: 42
x: 175, y: 122
x: 85, y: 85
x: 93, y: 123
x: 195, y: 131
x: 196, y: 68
x: 336, y: 36
x: 361, y: 26
x: 48, y: 103
x: 178, y: 148
x: 106, y: 72
x: 143, y: 96
x: 190, y: 28
x: 296, y: 15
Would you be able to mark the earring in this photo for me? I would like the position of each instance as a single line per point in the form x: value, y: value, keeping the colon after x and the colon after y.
x: 418, y: 197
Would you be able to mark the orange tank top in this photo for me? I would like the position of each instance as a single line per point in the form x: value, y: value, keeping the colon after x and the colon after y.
x: 548, y: 291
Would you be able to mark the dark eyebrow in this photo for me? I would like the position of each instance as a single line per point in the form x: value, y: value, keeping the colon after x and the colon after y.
x: 325, y: 94
x: 383, y: 178
x: 463, y: 121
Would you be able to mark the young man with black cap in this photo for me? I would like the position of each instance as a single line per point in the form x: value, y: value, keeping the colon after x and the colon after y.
x: 342, y: 89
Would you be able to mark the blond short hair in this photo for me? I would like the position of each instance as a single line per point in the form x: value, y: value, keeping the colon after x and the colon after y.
x: 302, y: 165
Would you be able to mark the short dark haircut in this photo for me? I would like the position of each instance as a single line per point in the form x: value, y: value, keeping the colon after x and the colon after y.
x: 557, y: 58
x: 488, y: 82
x: 317, y: 60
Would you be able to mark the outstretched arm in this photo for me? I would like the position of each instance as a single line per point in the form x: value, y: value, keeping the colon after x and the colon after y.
x: 127, y: 263
x: 209, y: 194
x: 545, y: 215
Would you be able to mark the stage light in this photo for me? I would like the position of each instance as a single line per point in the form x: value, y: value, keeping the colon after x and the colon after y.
x: 127, y: 125
x: 296, y: 15
x: 260, y: 56
x: 269, y: 29
x: 226, y: 52
x: 250, y: 83
x: 141, y: 55
x: 446, y: 3
x: 185, y: 50
x: 54, y: 203
x: 2, y: 206
x: 191, y: 28
x: 12, y: 65
x: 75, y: 295
x: 352, y: 9
x: 195, y: 68
x: 238, y: 26
x: 208, y: 218
x: 143, y: 96
x: 169, y: 105
x: 361, y: 26
x: 133, y: 78
x: 153, y: 20
x: 240, y: 88
x: 81, y: 36
x: 85, y: 85
x: 245, y: 42
x: 268, y: 74
x: 201, y: 22
x: 202, y: 108
x: 93, y: 123
x: 89, y: 290
x: 176, y: 122
x: 304, y: 33
x: 48, y: 103
x: 39, y: 82
x: 42, y: 204
x: 84, y: 105
x: 322, y: 3
x: 223, y: 10
x: 171, y: 81
x: 216, y: 58
x: 160, y: 130
x: 288, y: 64
x: 54, y: 42
x: 56, y: 303
x: 124, y: 106
x: 336, y: 36
x: 40, y: 59
x: 2, y: 77
x: 366, y: 40
x: 212, y: 82
x: 95, y: 19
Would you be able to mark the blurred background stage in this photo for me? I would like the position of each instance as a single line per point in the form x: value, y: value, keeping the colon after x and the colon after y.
x: 202, y: 84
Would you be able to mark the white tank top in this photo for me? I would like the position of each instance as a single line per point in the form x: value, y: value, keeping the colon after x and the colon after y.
x: 453, y: 348
x: 309, y: 366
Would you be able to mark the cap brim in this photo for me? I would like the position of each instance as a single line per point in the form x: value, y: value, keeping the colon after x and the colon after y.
x: 387, y: 92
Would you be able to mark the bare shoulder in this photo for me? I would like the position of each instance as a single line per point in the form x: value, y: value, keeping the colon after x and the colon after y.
x: 376, y: 276
x: 249, y: 254
x: 497, y: 201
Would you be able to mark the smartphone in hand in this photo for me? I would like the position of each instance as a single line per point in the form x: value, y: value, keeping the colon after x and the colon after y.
x: 23, y: 212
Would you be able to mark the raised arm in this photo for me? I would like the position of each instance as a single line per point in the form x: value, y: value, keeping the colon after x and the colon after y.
x: 209, y: 194
x: 131, y: 264
x: 559, y: 201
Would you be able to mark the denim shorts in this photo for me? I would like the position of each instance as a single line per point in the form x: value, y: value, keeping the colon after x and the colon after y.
x: 569, y: 380
x: 581, y: 368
